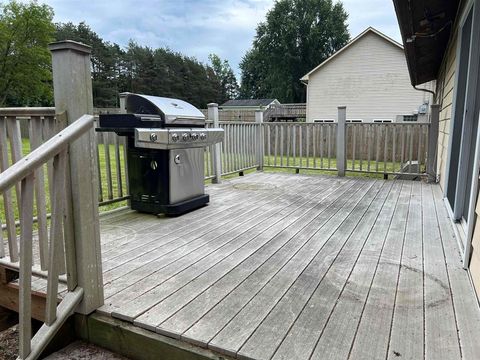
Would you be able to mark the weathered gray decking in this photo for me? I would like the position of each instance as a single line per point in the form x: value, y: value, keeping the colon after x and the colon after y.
x: 296, y: 267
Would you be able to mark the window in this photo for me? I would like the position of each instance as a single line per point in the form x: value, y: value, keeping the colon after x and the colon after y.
x: 354, y: 120
x: 323, y: 120
x: 382, y: 120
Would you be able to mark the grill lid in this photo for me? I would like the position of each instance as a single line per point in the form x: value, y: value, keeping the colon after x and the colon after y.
x: 172, y: 111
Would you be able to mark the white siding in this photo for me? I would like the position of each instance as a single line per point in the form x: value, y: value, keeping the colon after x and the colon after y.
x: 370, y: 77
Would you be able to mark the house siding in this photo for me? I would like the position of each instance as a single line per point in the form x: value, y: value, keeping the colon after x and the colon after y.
x: 370, y: 78
x: 445, y: 97
x: 445, y: 93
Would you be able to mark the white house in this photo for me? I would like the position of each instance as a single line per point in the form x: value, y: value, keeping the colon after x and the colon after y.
x: 370, y: 76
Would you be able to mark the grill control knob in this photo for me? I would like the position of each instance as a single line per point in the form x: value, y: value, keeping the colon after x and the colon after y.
x: 174, y: 137
x: 153, y: 137
x: 194, y: 136
x: 203, y: 136
x: 185, y: 136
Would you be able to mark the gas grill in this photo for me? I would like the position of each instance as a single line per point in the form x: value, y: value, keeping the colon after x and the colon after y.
x: 165, y: 152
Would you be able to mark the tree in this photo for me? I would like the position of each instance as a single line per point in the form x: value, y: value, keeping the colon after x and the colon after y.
x: 228, y: 81
x: 296, y: 36
x: 25, y: 64
x: 106, y: 59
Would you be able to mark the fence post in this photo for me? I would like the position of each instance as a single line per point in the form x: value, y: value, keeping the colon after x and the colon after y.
x: 217, y: 148
x: 341, y: 143
x: 124, y: 141
x: 260, y: 139
x: 72, y: 86
x: 432, y: 143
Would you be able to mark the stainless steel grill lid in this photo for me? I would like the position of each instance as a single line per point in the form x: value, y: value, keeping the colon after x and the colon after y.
x: 172, y: 111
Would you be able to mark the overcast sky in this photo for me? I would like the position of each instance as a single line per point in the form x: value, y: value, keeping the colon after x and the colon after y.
x: 200, y: 27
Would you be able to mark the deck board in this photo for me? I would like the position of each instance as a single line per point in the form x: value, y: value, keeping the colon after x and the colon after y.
x: 283, y: 266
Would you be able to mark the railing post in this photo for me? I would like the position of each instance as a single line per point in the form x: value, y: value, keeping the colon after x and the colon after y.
x: 73, y: 93
x: 217, y: 148
x: 122, y: 97
x: 341, y: 143
x: 432, y: 143
x: 260, y: 139
x: 123, y: 140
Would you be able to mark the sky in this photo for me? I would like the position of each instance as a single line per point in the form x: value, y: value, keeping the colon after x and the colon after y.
x: 200, y: 27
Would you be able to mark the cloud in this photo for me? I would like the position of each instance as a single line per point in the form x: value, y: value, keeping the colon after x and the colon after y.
x: 198, y: 28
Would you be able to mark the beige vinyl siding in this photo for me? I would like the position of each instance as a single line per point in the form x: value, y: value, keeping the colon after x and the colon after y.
x: 370, y: 77
x: 445, y: 91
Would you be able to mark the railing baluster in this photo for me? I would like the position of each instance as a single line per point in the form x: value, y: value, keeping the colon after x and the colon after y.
x: 7, y: 196
x: 300, y: 145
x: 276, y: 145
x: 268, y: 143
x: 385, y: 146
x: 322, y: 142
x: 98, y: 139
x: 288, y: 144
x: 377, y: 136
x: 307, y: 149
x: 394, y: 138
x: 106, y: 150
x: 281, y: 144
x: 410, y: 151
x: 419, y: 150
x: 36, y: 137
x: 402, y: 153
x: 314, y: 143
x: 361, y: 145
x: 353, y: 132
x: 118, y: 168
x: 56, y: 237
x: 329, y: 132
x: 294, y: 145
x: 26, y: 262
x: 369, y: 145
x: 15, y: 136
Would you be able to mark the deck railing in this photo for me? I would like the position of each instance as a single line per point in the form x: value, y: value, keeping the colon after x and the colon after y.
x: 376, y: 148
x: 58, y: 254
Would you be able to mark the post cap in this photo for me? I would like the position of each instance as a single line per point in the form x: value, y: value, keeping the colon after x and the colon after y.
x: 342, y: 106
x: 124, y: 94
x: 212, y: 105
x: 69, y: 45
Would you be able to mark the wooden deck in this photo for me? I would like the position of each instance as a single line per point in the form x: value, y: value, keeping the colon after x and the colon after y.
x: 298, y: 267
x: 283, y: 266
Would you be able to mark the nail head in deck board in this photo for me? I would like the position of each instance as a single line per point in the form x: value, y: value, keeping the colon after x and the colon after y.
x: 305, y: 332
x: 131, y: 310
x: 268, y: 336
x: 237, y: 331
x: 206, y: 328
x: 441, y: 338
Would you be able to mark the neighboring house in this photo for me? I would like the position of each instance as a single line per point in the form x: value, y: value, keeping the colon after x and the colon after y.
x: 442, y: 43
x: 369, y: 75
x: 249, y: 104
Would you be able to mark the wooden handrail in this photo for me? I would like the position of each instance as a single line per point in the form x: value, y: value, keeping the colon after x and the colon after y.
x: 27, y: 111
x: 44, y: 152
